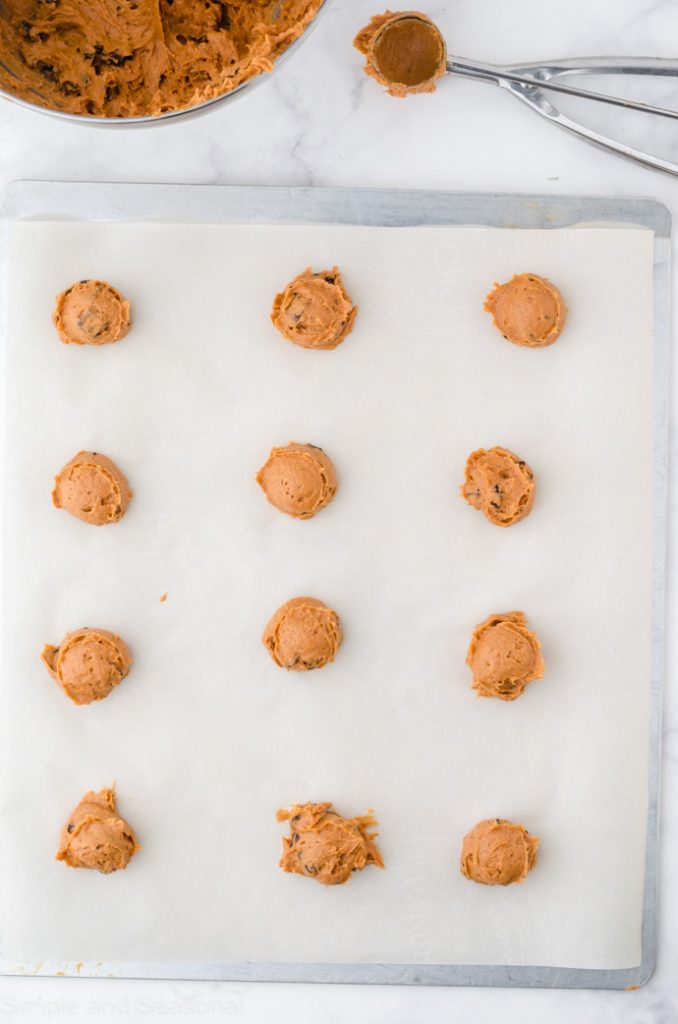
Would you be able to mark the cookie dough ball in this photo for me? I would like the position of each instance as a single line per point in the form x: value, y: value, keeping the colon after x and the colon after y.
x: 325, y: 846
x: 298, y: 479
x: 498, y: 852
x: 528, y: 310
x: 303, y: 634
x: 96, y: 837
x: 88, y: 664
x: 91, y: 313
x: 499, y: 484
x: 314, y: 310
x: 92, y: 488
x: 504, y: 656
x: 404, y: 51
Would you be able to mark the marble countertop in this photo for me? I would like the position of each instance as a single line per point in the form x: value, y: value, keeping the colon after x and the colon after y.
x: 319, y: 121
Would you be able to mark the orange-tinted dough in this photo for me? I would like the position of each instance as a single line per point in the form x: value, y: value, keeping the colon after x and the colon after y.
x: 325, y: 846
x: 88, y: 664
x: 92, y: 488
x: 303, y: 634
x: 91, y: 313
x: 499, y: 484
x: 504, y: 656
x: 404, y: 51
x: 114, y: 59
x: 528, y: 310
x: 96, y: 837
x: 298, y: 479
x: 498, y: 852
x: 314, y: 310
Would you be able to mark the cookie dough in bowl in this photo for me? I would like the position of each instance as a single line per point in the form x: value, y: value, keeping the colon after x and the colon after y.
x: 106, y: 59
x: 498, y: 484
x: 325, y: 846
x: 314, y: 310
x: 498, y: 852
x: 92, y: 488
x: 504, y: 656
x: 404, y: 51
x: 91, y: 313
x: 88, y: 664
x: 299, y: 479
x: 528, y: 310
x: 96, y: 837
x: 303, y: 634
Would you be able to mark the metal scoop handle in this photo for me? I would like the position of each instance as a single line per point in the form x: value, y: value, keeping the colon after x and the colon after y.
x: 529, y: 82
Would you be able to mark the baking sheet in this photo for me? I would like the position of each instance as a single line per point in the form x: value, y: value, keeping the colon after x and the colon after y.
x: 206, y: 738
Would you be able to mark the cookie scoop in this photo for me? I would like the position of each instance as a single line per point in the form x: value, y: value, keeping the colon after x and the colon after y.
x: 91, y: 313
x: 88, y: 664
x: 298, y: 479
x: 498, y: 484
x: 498, y: 852
x: 92, y: 488
x: 96, y: 837
x: 325, y: 846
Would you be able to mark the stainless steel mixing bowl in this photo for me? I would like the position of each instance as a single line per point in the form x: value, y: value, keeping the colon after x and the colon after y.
x: 185, y: 112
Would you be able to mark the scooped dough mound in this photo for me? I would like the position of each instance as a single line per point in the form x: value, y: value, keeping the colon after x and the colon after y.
x: 298, y: 479
x: 93, y: 489
x: 91, y: 313
x: 499, y: 484
x: 107, y: 58
x: 325, y: 846
x: 88, y: 664
x: 504, y: 656
x: 314, y: 310
x: 528, y: 310
x: 303, y: 634
x: 498, y: 852
x: 404, y: 51
x: 96, y: 837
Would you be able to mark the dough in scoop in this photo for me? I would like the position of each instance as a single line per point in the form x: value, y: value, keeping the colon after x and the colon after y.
x: 91, y: 313
x: 88, y: 664
x: 499, y: 484
x: 96, y: 837
x: 92, y: 488
x: 404, y: 51
x: 504, y: 656
x: 314, y: 310
x: 298, y: 479
x: 528, y: 310
x: 325, y: 846
x: 498, y: 852
x: 303, y: 634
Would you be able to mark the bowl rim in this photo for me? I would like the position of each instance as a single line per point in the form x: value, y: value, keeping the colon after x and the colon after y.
x: 147, y: 120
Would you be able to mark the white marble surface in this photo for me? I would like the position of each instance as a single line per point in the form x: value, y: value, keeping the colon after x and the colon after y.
x: 319, y: 121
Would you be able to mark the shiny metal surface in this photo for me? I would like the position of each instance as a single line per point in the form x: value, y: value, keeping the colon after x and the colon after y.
x: 185, y: 113
x: 530, y: 82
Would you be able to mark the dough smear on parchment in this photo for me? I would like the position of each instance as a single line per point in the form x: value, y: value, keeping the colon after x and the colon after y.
x: 92, y: 488
x: 528, y: 310
x: 498, y: 852
x: 303, y: 634
x: 504, y: 656
x: 107, y: 58
x: 314, y: 310
x: 88, y: 664
x: 499, y: 484
x: 91, y: 313
x: 404, y: 51
x: 95, y: 836
x: 326, y: 846
x: 299, y: 479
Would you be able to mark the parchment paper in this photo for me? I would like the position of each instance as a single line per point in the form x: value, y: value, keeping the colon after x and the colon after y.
x: 207, y: 738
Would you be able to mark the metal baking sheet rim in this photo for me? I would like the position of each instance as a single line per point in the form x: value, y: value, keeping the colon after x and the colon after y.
x: 39, y: 200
